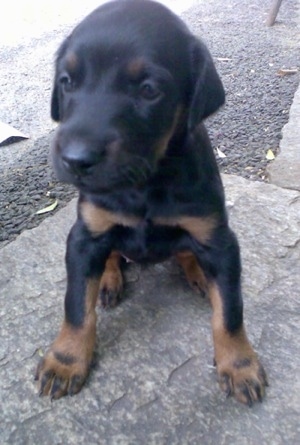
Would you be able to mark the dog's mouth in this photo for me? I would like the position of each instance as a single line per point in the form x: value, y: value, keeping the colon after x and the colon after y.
x: 104, y: 175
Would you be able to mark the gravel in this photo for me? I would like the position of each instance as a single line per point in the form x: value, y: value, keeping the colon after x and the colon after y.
x: 248, y: 56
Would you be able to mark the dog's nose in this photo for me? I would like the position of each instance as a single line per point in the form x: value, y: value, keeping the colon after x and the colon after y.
x: 78, y: 160
x: 79, y: 167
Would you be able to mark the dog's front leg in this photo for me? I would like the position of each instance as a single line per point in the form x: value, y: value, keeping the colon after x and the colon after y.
x: 65, y: 367
x: 217, y: 251
x: 239, y: 369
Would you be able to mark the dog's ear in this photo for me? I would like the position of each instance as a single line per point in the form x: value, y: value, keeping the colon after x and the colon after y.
x: 207, y: 93
x: 55, y: 103
x: 55, y: 99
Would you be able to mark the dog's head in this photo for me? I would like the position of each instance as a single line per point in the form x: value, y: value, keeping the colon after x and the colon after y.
x: 130, y: 82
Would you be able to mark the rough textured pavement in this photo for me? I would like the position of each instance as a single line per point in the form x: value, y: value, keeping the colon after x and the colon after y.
x: 153, y: 380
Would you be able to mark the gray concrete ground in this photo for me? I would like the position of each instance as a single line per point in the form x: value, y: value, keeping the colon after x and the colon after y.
x: 153, y: 380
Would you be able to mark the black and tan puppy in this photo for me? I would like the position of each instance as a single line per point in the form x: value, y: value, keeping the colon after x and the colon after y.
x: 131, y: 90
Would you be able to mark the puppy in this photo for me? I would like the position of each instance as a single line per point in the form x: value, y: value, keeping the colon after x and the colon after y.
x: 132, y: 88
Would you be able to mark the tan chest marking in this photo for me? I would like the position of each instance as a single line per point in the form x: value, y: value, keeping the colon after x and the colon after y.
x: 200, y: 228
x: 100, y: 220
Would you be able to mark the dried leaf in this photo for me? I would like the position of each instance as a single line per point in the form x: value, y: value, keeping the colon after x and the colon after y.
x: 270, y: 155
x: 220, y: 153
x: 40, y: 352
x: 284, y: 72
x: 47, y: 209
x: 223, y: 59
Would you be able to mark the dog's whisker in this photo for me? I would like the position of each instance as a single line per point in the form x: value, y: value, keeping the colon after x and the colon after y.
x: 140, y: 170
x: 128, y: 173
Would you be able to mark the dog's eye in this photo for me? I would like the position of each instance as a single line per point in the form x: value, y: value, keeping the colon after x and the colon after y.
x: 66, y: 81
x: 149, y: 91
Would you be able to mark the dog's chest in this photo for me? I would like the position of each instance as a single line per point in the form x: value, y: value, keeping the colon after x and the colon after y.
x: 148, y: 241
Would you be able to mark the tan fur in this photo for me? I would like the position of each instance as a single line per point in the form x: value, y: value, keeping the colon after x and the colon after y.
x: 99, y: 220
x: 193, y: 272
x: 135, y: 67
x: 71, y: 62
x: 76, y: 345
x: 111, y: 281
x: 161, y: 146
x: 237, y: 363
x: 201, y: 228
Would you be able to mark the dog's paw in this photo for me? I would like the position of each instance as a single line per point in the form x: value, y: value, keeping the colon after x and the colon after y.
x: 111, y: 286
x: 60, y: 374
x: 65, y: 367
x: 244, y: 378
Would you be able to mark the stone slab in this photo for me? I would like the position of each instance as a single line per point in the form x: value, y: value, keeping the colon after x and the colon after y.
x: 285, y: 170
x: 153, y: 381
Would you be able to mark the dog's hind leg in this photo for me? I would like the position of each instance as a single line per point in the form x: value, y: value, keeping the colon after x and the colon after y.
x: 193, y: 272
x: 111, y: 282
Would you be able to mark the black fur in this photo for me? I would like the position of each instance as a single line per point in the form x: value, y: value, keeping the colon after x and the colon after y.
x: 132, y: 87
x: 99, y: 104
x: 112, y: 115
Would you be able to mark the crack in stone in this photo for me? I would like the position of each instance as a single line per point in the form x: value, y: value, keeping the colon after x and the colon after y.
x: 115, y: 402
x: 174, y: 371
x: 24, y: 422
x: 4, y: 361
x: 147, y: 404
